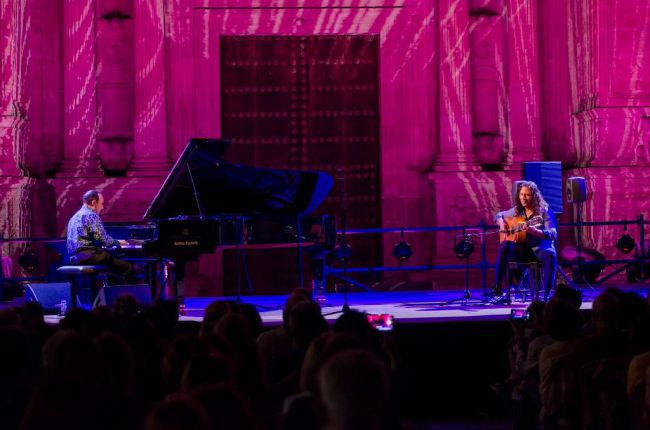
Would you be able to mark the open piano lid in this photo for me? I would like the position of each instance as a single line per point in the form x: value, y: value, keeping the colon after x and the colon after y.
x: 202, y: 184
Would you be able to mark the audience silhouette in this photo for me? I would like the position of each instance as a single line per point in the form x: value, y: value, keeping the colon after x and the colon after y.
x: 130, y: 367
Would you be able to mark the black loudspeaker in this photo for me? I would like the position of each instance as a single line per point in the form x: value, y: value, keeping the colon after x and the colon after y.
x: 49, y: 295
x: 576, y: 189
x: 109, y: 294
x: 548, y: 177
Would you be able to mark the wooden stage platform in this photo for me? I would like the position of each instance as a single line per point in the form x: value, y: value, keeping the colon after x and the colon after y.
x: 408, y: 307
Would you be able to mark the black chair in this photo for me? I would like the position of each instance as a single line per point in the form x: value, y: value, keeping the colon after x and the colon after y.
x: 529, y: 282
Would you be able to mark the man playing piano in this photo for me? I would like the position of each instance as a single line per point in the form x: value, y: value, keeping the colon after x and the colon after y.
x: 87, y: 240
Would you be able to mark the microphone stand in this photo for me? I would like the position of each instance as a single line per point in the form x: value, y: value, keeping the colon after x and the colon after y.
x: 581, y: 268
x: 344, y: 244
x: 343, y: 251
x: 301, y: 275
x: 466, y: 243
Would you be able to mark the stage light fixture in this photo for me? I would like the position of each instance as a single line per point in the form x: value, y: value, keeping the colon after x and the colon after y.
x: 402, y: 250
x: 342, y: 252
x: 465, y: 247
x: 625, y: 244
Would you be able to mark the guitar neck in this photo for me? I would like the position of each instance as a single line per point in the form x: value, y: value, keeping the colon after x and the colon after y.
x: 516, y: 224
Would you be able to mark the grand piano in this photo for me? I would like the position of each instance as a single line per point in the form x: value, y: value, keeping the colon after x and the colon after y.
x: 207, y: 201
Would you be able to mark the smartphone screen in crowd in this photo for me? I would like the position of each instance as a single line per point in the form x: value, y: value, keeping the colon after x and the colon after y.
x: 381, y: 322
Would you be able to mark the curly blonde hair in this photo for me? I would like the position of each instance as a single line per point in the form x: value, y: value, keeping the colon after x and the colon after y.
x: 539, y: 204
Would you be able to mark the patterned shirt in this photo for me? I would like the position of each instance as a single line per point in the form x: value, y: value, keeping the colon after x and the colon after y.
x: 86, y: 228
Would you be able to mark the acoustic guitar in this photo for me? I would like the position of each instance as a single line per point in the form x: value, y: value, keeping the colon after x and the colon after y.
x: 514, y: 232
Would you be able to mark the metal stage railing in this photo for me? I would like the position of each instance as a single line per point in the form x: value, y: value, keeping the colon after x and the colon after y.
x: 483, y: 265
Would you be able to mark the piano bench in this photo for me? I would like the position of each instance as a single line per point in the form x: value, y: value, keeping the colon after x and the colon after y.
x: 81, y: 277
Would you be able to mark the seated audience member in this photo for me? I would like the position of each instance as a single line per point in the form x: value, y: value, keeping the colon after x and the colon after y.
x: 305, y: 324
x: 9, y: 317
x: 354, y: 391
x: 602, y: 343
x: 252, y: 317
x: 77, y: 405
x: 277, y: 342
x: 206, y: 369
x: 356, y: 324
x: 300, y: 410
x: 227, y: 408
x: 179, y: 354
x: 559, y: 363
x: 70, y: 356
x: 17, y: 375
x: 571, y: 295
x: 636, y: 390
x: 178, y: 413
x: 525, y: 405
x: 528, y: 408
x: 214, y: 312
x: 606, y: 338
x: 249, y: 371
x: 117, y: 364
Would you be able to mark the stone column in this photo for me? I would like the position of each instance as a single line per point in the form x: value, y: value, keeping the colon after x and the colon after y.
x: 39, y: 150
x: 556, y: 76
x: 11, y: 111
x: 79, y: 98
x: 489, y: 116
x: 523, y: 82
x: 455, y: 152
x: 150, y: 156
x: 115, y: 57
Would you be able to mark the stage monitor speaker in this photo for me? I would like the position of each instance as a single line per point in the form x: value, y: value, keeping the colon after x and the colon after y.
x: 109, y: 294
x: 49, y: 295
x: 548, y: 177
x: 576, y: 189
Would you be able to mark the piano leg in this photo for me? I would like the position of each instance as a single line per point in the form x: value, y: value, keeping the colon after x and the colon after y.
x: 173, y: 281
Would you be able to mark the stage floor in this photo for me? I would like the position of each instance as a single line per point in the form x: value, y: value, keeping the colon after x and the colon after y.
x: 407, y: 307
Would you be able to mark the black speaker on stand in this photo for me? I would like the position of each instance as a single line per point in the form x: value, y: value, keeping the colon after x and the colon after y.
x: 576, y: 193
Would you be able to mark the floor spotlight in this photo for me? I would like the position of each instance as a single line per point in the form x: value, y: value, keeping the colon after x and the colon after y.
x: 625, y: 243
x: 464, y: 247
x: 342, y: 252
x: 402, y: 250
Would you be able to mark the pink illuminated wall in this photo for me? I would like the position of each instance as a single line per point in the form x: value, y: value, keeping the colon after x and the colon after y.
x: 105, y: 93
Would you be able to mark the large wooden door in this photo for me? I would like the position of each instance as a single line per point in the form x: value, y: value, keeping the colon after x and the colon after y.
x: 310, y: 103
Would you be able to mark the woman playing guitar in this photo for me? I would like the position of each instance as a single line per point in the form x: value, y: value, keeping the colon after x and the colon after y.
x: 527, y: 232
